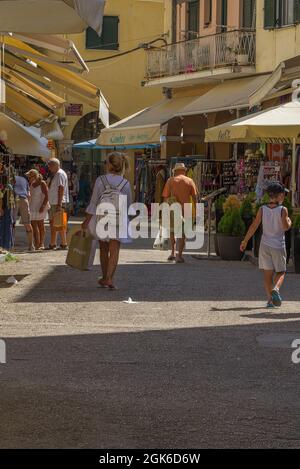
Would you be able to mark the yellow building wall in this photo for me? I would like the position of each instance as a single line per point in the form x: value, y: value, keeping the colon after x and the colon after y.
x: 275, y: 45
x: 120, y: 78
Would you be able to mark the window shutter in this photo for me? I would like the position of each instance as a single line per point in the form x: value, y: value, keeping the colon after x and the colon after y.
x: 248, y: 10
x: 270, y: 14
x: 297, y: 11
x: 207, y: 11
x: 109, y: 39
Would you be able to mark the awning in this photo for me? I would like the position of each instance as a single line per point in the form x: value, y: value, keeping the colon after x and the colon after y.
x: 23, y: 140
x: 143, y: 127
x: 232, y: 94
x: 285, y: 73
x: 92, y: 145
x: 51, y: 16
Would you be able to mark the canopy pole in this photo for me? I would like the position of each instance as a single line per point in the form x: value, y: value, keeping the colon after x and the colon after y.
x: 294, y: 167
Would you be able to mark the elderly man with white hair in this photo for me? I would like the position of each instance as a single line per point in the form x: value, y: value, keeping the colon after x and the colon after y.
x: 58, y: 199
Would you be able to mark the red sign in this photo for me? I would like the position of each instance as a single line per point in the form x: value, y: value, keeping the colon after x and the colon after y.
x: 74, y: 109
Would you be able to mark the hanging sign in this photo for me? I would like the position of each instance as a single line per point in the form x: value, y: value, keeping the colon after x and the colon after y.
x: 75, y: 110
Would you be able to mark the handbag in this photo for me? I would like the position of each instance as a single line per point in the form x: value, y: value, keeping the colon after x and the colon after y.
x: 60, y: 220
x: 80, y: 251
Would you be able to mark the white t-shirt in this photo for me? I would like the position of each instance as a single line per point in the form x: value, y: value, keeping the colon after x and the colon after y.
x: 59, y: 179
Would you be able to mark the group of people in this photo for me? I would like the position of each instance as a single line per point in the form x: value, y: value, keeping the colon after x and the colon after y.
x: 37, y: 200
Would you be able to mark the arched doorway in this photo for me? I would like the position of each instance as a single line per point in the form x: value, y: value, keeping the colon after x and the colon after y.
x: 89, y: 127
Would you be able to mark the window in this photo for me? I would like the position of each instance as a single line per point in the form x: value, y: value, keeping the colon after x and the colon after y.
x: 280, y: 13
x: 193, y: 17
x: 249, y: 14
x: 174, y: 21
x: 207, y: 12
x: 224, y: 15
x: 109, y: 39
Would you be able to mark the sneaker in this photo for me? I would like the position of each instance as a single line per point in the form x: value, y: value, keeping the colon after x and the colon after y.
x: 276, y: 298
x: 270, y: 305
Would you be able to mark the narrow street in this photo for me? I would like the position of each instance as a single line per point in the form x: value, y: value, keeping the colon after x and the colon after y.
x: 196, y: 362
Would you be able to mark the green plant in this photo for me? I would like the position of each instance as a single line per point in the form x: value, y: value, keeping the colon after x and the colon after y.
x: 232, y: 224
x: 287, y: 203
x: 220, y: 202
x: 247, y: 209
x: 231, y: 203
x: 296, y: 222
x: 264, y: 201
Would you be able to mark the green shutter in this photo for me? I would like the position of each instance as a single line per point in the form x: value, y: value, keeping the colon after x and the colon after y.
x: 270, y: 14
x: 297, y: 11
x: 109, y: 39
x: 248, y: 10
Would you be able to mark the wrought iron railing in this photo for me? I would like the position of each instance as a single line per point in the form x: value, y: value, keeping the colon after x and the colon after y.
x: 232, y: 48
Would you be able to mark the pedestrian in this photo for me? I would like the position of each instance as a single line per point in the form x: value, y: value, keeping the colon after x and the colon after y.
x: 116, y: 167
x: 75, y: 191
x: 183, y: 190
x: 38, y: 205
x: 58, y: 199
x: 272, y: 254
x: 22, y: 192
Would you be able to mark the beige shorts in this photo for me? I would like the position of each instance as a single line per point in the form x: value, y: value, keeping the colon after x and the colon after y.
x: 22, y: 210
x: 272, y: 259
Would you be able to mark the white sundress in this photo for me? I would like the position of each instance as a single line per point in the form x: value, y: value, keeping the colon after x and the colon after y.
x: 36, y: 200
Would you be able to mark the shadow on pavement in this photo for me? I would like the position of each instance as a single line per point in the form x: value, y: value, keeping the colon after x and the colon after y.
x: 186, y: 388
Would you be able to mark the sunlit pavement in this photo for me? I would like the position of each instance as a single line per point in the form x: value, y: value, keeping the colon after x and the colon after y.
x: 196, y: 362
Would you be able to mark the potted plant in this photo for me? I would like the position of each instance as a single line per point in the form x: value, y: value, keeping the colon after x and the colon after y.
x: 231, y: 231
x: 296, y: 231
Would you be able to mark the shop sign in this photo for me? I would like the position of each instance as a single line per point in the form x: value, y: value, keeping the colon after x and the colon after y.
x: 75, y: 110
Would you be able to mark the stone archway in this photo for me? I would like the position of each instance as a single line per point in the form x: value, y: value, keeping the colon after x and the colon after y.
x: 89, y: 127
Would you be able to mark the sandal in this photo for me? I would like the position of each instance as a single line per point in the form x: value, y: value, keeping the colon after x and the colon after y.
x: 171, y: 258
x: 51, y: 248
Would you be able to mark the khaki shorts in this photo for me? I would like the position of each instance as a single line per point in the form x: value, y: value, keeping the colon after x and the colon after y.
x: 272, y: 259
x: 22, y: 210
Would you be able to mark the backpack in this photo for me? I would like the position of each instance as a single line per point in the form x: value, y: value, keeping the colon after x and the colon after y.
x: 110, y: 196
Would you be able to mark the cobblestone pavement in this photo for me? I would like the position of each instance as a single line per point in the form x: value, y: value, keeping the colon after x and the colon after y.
x: 197, y: 362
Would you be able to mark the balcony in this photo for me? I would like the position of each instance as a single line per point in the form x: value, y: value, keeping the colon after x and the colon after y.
x: 206, y: 57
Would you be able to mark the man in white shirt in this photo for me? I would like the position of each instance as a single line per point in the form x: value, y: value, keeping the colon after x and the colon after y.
x: 58, y: 199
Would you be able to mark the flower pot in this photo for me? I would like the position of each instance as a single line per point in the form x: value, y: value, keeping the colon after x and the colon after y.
x: 257, y: 240
x: 297, y: 250
x: 229, y: 247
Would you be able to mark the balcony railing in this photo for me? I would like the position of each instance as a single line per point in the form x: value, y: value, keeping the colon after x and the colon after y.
x: 228, y: 49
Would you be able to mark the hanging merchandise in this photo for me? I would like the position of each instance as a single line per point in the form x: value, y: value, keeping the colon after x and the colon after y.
x: 229, y: 174
x: 269, y: 171
x: 7, y: 197
x: 247, y: 171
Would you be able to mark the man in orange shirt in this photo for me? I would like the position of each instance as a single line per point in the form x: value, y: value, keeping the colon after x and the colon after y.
x: 184, y: 190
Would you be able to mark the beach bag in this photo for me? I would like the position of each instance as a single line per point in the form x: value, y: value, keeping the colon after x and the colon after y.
x: 81, y: 253
x: 60, y: 220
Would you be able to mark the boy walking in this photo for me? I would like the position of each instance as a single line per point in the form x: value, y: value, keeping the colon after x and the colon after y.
x: 272, y: 254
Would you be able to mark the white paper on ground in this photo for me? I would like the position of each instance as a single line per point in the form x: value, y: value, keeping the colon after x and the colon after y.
x: 130, y: 302
x: 12, y: 281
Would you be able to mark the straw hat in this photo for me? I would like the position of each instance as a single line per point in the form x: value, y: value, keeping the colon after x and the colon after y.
x: 179, y: 167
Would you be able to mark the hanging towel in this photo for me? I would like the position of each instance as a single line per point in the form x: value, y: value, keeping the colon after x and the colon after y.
x: 91, y: 12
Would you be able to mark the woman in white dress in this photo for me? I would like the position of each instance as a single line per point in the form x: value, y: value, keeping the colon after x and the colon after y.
x: 38, y: 205
x: 116, y: 166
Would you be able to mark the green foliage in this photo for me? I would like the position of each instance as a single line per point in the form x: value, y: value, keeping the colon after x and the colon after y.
x: 264, y: 201
x: 296, y: 223
x: 220, y: 202
x: 247, y: 209
x: 287, y: 203
x: 232, y: 224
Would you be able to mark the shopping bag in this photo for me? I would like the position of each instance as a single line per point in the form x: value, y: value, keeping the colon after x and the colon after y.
x: 60, y: 220
x: 161, y: 242
x: 80, y: 251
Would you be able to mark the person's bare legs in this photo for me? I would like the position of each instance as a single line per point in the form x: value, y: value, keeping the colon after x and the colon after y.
x: 114, y: 251
x: 53, y: 241
x: 36, y: 234
x: 181, y: 246
x: 268, y: 282
x: 278, y: 280
x: 63, y: 238
x: 29, y: 234
x: 104, y: 257
x: 42, y: 232
x: 173, y: 246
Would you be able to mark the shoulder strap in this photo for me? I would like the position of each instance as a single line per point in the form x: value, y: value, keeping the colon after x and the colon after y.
x: 123, y: 184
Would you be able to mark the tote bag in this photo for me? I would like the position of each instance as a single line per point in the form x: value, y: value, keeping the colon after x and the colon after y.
x: 80, y: 251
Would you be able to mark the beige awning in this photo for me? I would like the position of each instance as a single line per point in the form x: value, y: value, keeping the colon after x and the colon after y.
x: 51, y: 16
x: 143, y: 127
x: 284, y: 74
x: 24, y: 140
x: 232, y: 94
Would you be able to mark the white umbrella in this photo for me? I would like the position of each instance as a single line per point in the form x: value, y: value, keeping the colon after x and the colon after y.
x: 276, y: 125
x: 23, y: 140
x: 51, y: 16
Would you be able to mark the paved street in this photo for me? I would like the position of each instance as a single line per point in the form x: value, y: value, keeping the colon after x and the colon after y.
x: 197, y: 362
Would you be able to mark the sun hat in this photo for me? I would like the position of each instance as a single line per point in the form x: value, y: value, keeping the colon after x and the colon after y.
x: 179, y: 167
